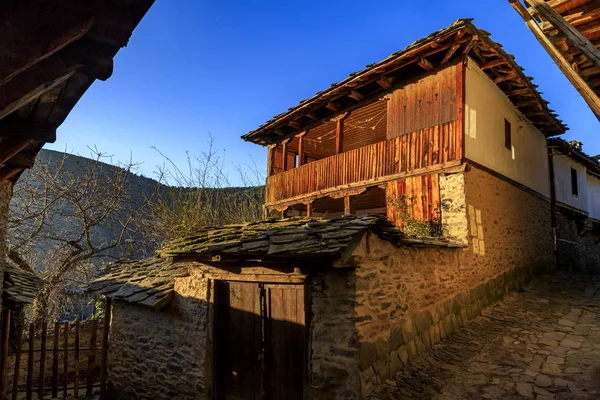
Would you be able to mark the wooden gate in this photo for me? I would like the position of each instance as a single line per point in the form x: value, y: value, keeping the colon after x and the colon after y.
x: 56, y: 361
x: 260, y: 341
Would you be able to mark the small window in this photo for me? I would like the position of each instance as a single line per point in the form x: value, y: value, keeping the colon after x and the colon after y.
x: 574, y: 187
x: 507, y: 135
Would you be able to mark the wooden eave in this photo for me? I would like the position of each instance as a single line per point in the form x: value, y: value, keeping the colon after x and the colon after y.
x: 563, y: 147
x: 52, y: 51
x: 450, y: 45
x: 569, y: 30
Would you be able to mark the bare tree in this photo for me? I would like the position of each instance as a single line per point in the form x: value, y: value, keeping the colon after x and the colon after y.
x: 66, y: 217
x: 202, y: 195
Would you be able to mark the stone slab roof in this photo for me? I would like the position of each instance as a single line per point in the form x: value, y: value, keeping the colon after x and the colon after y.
x: 148, y: 282
x: 20, y: 286
x: 151, y: 282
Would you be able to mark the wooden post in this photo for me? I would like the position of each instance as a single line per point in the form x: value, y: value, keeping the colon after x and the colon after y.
x: 582, y: 87
x: 105, y: 332
x: 460, y: 107
x: 55, y: 361
x: 29, y: 393
x: 15, y: 391
x: 42, y: 377
x: 270, y: 159
x: 284, y: 154
x: 4, y: 352
x: 66, y: 360
x: 91, y: 358
x: 339, y: 136
x: 349, y: 203
x: 301, y: 149
x: 77, y: 334
x: 309, y: 210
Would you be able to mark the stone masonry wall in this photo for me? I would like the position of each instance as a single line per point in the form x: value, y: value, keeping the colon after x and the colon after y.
x: 160, y: 355
x: 410, y: 298
x: 5, y: 195
x: 334, y: 345
x: 571, y: 251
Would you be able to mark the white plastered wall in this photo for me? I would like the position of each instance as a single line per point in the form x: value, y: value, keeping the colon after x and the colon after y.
x: 593, y: 193
x: 486, y: 108
x: 562, y: 176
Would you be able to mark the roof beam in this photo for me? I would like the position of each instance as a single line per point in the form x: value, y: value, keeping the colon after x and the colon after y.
x: 492, y: 63
x: 584, y: 90
x: 384, y: 82
x: 425, y: 64
x: 12, y: 147
x: 356, y: 95
x: 451, y: 51
x: 573, y: 35
x: 332, y: 106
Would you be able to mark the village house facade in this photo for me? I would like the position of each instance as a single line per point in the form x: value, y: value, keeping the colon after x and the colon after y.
x: 413, y: 194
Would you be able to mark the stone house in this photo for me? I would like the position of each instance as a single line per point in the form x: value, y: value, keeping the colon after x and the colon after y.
x: 400, y: 201
x: 576, y: 210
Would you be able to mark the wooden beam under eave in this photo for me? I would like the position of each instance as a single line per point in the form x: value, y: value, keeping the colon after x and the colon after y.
x: 384, y: 82
x: 451, y: 51
x: 11, y: 147
x: 332, y: 106
x: 356, y: 95
x: 572, y: 34
x: 425, y: 64
x: 492, y: 63
x: 580, y: 85
x: 294, y: 124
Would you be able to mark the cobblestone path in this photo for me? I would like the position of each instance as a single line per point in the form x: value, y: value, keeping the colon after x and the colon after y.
x: 543, y: 343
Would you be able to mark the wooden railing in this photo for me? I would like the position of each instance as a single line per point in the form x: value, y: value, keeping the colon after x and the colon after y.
x: 420, y: 149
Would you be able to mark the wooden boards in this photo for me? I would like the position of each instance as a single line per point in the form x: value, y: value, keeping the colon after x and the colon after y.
x: 425, y: 148
x: 415, y: 197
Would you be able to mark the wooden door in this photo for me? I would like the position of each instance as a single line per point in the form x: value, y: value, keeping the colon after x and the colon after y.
x: 260, y: 341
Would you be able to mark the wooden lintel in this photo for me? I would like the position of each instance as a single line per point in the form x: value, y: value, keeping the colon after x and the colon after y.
x: 425, y: 64
x: 384, y: 82
x: 332, y: 106
x: 356, y: 95
x: 346, y: 193
x: 493, y: 63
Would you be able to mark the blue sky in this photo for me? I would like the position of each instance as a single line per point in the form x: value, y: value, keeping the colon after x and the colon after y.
x: 194, y: 68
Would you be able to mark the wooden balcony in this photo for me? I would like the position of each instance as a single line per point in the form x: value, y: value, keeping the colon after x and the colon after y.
x: 419, y: 152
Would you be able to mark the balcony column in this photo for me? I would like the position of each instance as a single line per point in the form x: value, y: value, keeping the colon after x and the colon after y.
x: 339, y: 132
x: 270, y: 158
x: 309, y: 210
x: 284, y: 152
x: 349, y: 205
x: 301, y: 148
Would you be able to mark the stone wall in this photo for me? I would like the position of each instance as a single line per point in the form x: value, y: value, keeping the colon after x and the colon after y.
x: 160, y: 354
x: 5, y: 195
x: 334, y: 370
x: 571, y: 251
x: 409, y: 298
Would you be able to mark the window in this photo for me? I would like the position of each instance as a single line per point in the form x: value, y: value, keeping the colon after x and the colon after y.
x: 574, y: 187
x: 507, y: 135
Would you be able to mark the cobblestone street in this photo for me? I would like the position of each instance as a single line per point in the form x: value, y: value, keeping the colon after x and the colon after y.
x: 542, y: 343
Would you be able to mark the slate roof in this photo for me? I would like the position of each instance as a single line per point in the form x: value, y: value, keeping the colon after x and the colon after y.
x: 20, y: 286
x: 540, y: 115
x: 151, y: 282
x: 148, y: 282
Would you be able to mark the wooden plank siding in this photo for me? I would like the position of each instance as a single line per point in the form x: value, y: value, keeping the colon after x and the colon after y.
x: 430, y: 101
x: 424, y: 148
x: 416, y: 197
